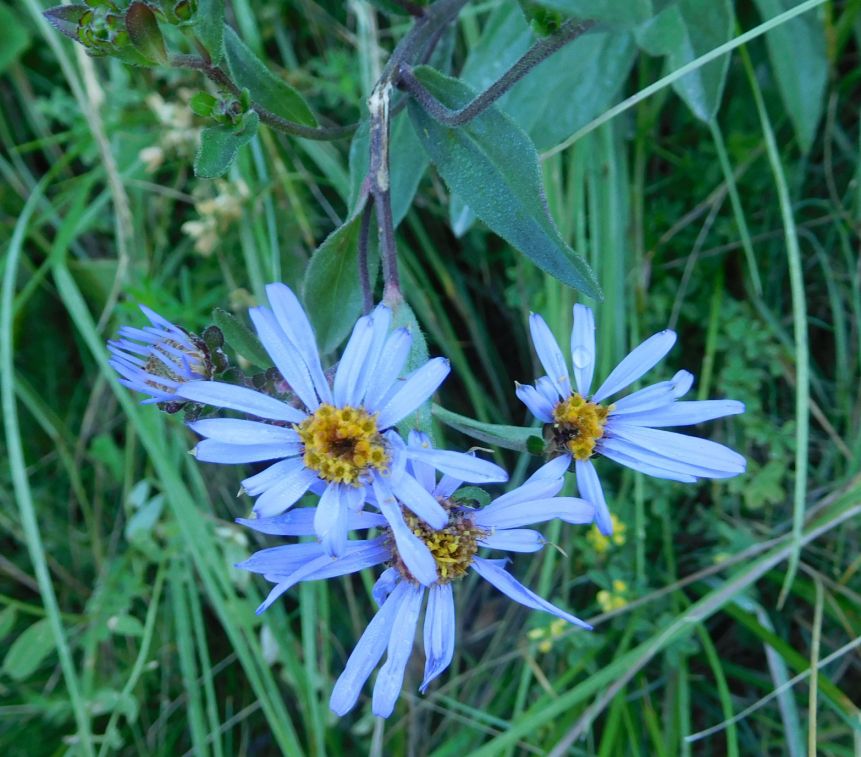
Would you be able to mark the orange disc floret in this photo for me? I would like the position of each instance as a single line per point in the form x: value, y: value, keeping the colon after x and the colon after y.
x: 578, y: 424
x: 341, y: 443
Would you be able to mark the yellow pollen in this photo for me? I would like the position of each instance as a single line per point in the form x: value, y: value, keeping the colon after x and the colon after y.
x: 578, y: 424
x: 452, y: 547
x: 342, y: 443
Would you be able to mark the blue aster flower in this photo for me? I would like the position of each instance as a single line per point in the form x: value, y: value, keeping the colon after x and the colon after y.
x: 627, y: 431
x: 452, y: 552
x: 157, y: 359
x: 336, y: 440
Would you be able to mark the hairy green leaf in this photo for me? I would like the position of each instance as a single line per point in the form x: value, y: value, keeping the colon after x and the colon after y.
x: 65, y: 18
x: 492, y: 164
x: 219, y: 145
x: 209, y: 27
x: 144, y: 33
x: 684, y: 31
x: 332, y: 289
x: 268, y: 90
x: 800, y: 64
x: 508, y: 437
x: 241, y: 338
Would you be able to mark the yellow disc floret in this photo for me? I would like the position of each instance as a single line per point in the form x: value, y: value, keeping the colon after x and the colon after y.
x: 578, y: 424
x: 453, y: 547
x: 342, y: 443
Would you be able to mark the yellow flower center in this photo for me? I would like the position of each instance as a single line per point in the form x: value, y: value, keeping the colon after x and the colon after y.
x: 342, y: 443
x: 452, y: 547
x: 578, y: 424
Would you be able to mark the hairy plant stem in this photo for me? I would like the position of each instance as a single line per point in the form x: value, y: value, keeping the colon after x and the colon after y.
x: 538, y: 53
x: 364, y: 275
x: 223, y: 80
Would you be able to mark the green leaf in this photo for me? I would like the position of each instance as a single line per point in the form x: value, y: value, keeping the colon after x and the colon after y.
x: 241, y: 338
x: 202, y: 103
x: 144, y: 33
x: 332, y: 289
x: 404, y: 317
x: 208, y: 26
x: 219, y: 145
x: 563, y: 93
x: 266, y: 89
x: 125, y: 625
x: 140, y: 525
x: 492, y: 164
x: 684, y: 31
x: 29, y: 650
x: 65, y: 18
x: 621, y: 14
x: 799, y: 60
x: 7, y: 621
x: 407, y: 164
x: 508, y: 437
x: 14, y: 38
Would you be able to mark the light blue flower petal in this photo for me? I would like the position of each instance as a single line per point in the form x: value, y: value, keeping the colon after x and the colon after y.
x: 544, y: 386
x: 638, y: 361
x: 358, y: 555
x: 390, y: 679
x: 545, y: 482
x: 439, y: 632
x: 300, y: 522
x: 535, y: 402
x: 286, y: 356
x: 648, y: 398
x: 294, y: 323
x: 413, y: 392
x: 330, y: 520
x: 654, y: 464
x: 420, y: 501
x: 568, y: 509
x: 240, y: 398
x: 511, y: 587
x: 385, y: 585
x: 462, y: 465
x: 554, y: 470
x: 686, y: 449
x: 583, y: 348
x: 447, y: 486
x: 289, y: 581
x: 260, y: 482
x: 395, y: 354
x: 236, y: 431
x: 412, y: 550
x: 284, y: 559
x: 685, y: 413
x: 683, y: 381
x: 213, y: 451
x: 549, y: 354
x: 352, y: 362
x: 284, y: 493
x: 515, y: 539
x: 367, y: 652
x: 381, y: 319
x: 422, y: 471
x: 591, y: 490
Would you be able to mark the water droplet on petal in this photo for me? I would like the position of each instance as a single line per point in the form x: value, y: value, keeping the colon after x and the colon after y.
x: 580, y: 357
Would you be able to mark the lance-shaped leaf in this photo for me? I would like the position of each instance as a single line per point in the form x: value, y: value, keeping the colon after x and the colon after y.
x: 509, y: 437
x: 332, y: 289
x: 492, y: 164
x: 683, y: 31
x: 219, y: 145
x: 241, y: 338
x: 209, y: 27
x: 800, y: 64
x: 14, y: 38
x: 65, y: 19
x: 266, y: 89
x: 144, y: 33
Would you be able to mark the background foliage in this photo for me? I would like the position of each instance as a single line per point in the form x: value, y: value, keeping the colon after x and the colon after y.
x: 725, y: 204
